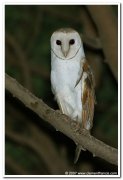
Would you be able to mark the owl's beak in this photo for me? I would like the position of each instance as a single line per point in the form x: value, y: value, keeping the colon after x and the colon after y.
x: 65, y: 51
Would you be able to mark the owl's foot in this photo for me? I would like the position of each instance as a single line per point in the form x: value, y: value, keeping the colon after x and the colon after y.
x: 85, y: 131
x: 75, y: 126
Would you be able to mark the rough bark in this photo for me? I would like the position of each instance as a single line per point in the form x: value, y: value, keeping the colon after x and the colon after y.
x: 61, y: 122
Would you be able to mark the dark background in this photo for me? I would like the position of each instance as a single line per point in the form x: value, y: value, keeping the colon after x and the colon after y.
x: 32, y: 146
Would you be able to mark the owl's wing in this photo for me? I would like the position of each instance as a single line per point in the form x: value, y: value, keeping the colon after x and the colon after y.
x: 88, y: 101
x: 88, y: 97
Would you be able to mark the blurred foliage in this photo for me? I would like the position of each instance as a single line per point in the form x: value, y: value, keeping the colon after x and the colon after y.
x: 31, y: 28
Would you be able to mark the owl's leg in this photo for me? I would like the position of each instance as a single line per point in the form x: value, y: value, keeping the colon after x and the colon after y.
x: 76, y: 118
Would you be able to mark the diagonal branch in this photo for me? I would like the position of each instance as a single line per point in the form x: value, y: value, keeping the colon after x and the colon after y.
x: 61, y: 122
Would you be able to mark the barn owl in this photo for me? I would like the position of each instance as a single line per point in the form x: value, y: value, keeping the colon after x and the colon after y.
x: 72, y: 80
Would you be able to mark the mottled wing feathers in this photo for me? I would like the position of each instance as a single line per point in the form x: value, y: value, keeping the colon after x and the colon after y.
x: 88, y: 97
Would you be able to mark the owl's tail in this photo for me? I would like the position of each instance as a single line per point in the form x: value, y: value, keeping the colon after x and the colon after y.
x: 77, y: 153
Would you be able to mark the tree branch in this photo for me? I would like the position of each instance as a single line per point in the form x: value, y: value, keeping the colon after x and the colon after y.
x: 107, y: 26
x: 61, y: 122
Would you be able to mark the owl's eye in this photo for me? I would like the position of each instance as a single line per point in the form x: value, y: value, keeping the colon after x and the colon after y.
x: 72, y: 41
x: 58, y: 42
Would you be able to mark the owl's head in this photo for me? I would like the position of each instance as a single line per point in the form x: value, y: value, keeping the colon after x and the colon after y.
x: 65, y: 43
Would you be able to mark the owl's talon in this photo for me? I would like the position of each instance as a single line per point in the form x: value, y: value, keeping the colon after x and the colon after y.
x: 86, y: 132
